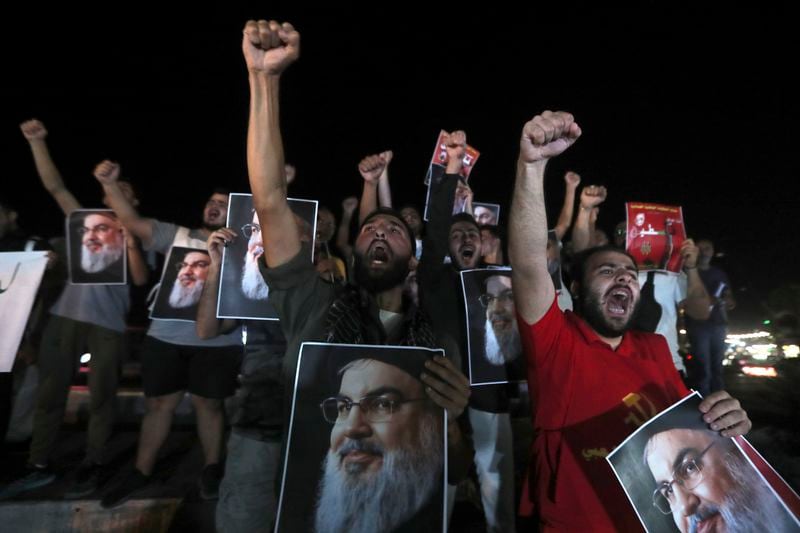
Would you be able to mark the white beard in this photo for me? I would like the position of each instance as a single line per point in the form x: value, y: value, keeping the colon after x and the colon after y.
x: 182, y: 297
x: 749, y: 505
x: 93, y: 262
x: 503, y: 350
x: 253, y: 285
x: 387, y: 498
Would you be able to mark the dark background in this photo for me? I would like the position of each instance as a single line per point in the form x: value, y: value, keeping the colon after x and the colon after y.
x: 686, y: 105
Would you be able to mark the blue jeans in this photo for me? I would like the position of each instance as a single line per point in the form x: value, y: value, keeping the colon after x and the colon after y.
x: 708, y: 346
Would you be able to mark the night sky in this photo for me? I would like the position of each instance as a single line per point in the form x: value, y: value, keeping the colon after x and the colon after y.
x: 686, y: 106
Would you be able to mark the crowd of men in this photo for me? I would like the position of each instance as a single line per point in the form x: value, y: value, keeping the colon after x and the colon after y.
x: 397, y: 283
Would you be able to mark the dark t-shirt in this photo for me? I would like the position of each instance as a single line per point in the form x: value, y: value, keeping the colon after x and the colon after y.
x: 715, y: 281
x: 258, y: 412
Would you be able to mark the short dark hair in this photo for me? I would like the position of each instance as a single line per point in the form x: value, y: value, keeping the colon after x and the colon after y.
x: 464, y: 217
x: 411, y: 206
x: 494, y: 229
x: 219, y: 190
x: 580, y: 260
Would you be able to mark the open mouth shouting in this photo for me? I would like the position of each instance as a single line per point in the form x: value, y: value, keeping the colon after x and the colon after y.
x: 378, y: 253
x: 619, y: 301
x: 467, y: 252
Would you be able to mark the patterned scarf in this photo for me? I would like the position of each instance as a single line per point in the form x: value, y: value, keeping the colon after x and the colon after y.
x: 353, y: 319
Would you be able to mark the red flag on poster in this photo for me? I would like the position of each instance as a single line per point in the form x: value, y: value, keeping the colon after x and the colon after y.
x: 440, y: 158
x: 655, y: 234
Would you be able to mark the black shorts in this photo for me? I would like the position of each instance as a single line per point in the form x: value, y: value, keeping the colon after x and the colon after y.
x: 209, y: 372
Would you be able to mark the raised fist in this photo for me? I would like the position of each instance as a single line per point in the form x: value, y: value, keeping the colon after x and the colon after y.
x: 33, y: 130
x: 547, y: 135
x: 270, y: 47
x: 106, y: 172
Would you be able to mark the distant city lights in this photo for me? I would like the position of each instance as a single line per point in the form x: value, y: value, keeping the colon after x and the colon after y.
x: 760, y: 371
x: 791, y: 351
x: 761, y: 351
x: 742, y: 336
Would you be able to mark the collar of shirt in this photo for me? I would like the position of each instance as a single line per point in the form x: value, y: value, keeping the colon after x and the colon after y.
x: 591, y: 337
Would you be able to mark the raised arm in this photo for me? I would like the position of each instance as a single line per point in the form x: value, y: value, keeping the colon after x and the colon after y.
x: 571, y: 182
x: 371, y: 168
x: 698, y: 302
x: 435, y: 245
x: 107, y: 173
x: 36, y: 135
x: 543, y: 137
x: 384, y: 190
x: 349, y: 206
x: 268, y: 48
x: 140, y: 273
x: 207, y: 324
x: 583, y: 231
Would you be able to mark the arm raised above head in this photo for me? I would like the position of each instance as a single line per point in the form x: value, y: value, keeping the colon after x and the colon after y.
x: 269, y: 48
x: 545, y: 136
x: 36, y: 135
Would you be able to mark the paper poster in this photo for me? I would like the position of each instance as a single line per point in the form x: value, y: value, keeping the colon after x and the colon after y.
x: 182, y: 282
x: 486, y: 214
x: 438, y: 165
x: 494, y: 349
x: 243, y: 293
x: 681, y: 476
x: 655, y: 234
x: 96, y: 249
x: 20, y: 276
x: 367, y: 448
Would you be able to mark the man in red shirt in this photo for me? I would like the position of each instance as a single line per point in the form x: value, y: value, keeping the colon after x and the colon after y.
x: 594, y: 381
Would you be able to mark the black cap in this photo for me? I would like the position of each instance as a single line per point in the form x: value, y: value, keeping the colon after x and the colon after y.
x: 410, y: 361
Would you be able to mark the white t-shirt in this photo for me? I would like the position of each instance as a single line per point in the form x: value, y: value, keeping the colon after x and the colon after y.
x: 669, y: 291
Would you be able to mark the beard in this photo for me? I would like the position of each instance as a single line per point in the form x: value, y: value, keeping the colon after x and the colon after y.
x: 749, y: 504
x: 592, y: 312
x: 93, y: 262
x: 182, y: 297
x: 501, y: 349
x: 392, y: 277
x: 384, y: 500
x: 253, y: 285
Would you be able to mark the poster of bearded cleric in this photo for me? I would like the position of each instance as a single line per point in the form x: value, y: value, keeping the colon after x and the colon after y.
x: 96, y: 250
x: 243, y: 292
x: 655, y: 235
x: 367, y: 447
x: 494, y: 349
x: 681, y: 476
x: 185, y: 273
x: 486, y: 214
